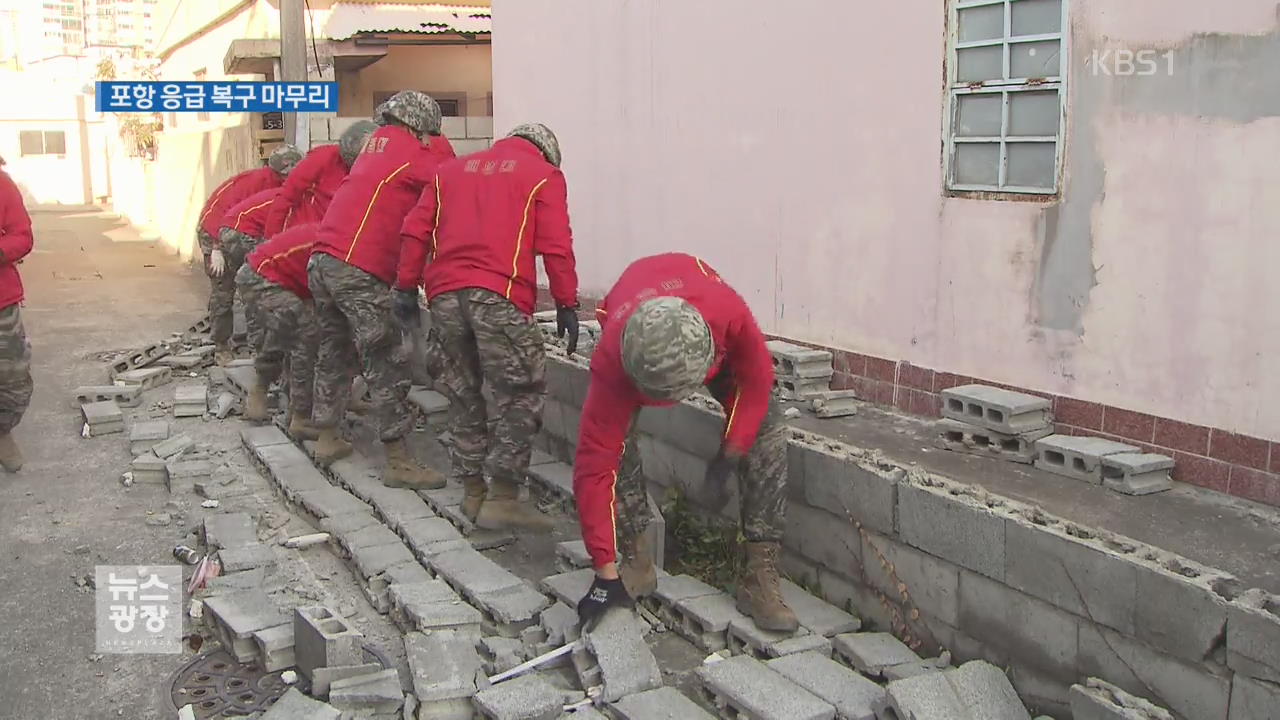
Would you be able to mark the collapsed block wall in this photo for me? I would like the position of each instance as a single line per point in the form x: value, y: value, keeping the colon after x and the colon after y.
x: 986, y: 577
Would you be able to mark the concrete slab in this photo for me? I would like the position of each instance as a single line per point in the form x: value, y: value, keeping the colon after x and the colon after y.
x: 743, y: 686
x: 444, y: 665
x: 230, y: 530
x: 330, y: 501
x: 322, y: 677
x: 471, y: 573
x: 871, y: 653
x: 569, y: 587
x: 374, y: 560
x: 528, y: 697
x: 985, y: 692
x: 293, y: 705
x: 854, y: 697
x: 378, y: 692
x: 625, y: 662
x: 819, y: 616
x: 247, y: 557
x: 744, y: 637
x: 665, y: 703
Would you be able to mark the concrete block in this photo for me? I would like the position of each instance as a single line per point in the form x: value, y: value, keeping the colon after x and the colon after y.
x: 567, y: 381
x: 256, y: 436
x: 377, y: 587
x: 871, y: 653
x: 174, y: 446
x: 685, y: 426
x: 1250, y: 700
x: 471, y: 573
x: 323, y: 638
x: 923, y: 697
x: 229, y: 530
x: 138, y: 359
x: 1077, y: 457
x: 704, y: 620
x: 976, y: 440
x: 910, y: 669
x: 254, y: 579
x: 1190, y: 690
x: 799, y: 361
x: 742, y: 686
x: 247, y: 557
x: 792, y: 388
x: 399, y: 505
x: 528, y: 697
x: 1100, y: 700
x: 853, y: 696
x: 479, y: 126
x: 834, y: 404
x: 511, y: 609
x: 444, y: 665
x: 952, y: 527
x: 569, y: 587
x: 454, y: 128
x: 322, y: 677
x: 572, y: 555
x: 501, y: 654
x: 275, y: 647
x: 184, y: 474
x: 330, y: 501
x: 985, y: 692
x: 150, y: 470
x: 1030, y: 630
x: 239, y: 614
x: 744, y: 637
x: 299, y: 477
x: 1183, y: 616
x: 432, y: 606
x: 819, y: 616
x: 1137, y: 473
x: 183, y: 362
x: 1072, y: 573
x: 379, y: 692
x: 146, y: 378
x: 122, y: 395
x: 1253, y: 635
x: 374, y: 560
x: 190, y: 400
x: 101, y: 415
x: 293, y: 705
x: 555, y: 479
x: 1005, y: 411
x: 426, y: 552
x: 823, y: 538
x: 933, y: 585
x: 619, y: 655
x: 366, y: 537
x: 665, y: 703
x: 671, y: 590
x: 348, y: 522
x: 145, y: 435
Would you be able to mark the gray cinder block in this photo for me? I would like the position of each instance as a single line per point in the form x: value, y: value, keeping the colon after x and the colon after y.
x: 670, y: 590
x: 368, y: 536
x: 1137, y: 473
x: 146, y: 378
x: 854, y: 697
x: 398, y: 505
x: 744, y: 637
x: 123, y: 395
x: 555, y: 478
x: 819, y: 616
x: 799, y: 361
x: 1100, y: 700
x: 141, y: 358
x: 445, y: 667
x: 1180, y: 615
x: 374, y: 560
x: 239, y: 614
x: 323, y: 638
x: 247, y: 557
x: 528, y: 697
x: 1076, y: 456
x: 572, y: 555
x: 1253, y: 635
x: 103, y: 416
x: 962, y: 437
x: 501, y: 654
x: 842, y: 485
x: 985, y: 692
x: 616, y: 647
x: 793, y: 388
x: 296, y: 706
x: 952, y: 527
x: 184, y: 474
x: 665, y: 703
x: 256, y: 436
x: 471, y: 573
x: 560, y: 622
x: 275, y: 647
x: 145, y: 435
x: 1189, y: 690
x: 150, y: 470
x: 347, y: 522
x: 378, y: 692
x: 511, y: 610
x: 871, y: 653
x: 704, y: 620
x: 834, y: 403
x: 330, y: 501
x: 431, y: 606
x: 190, y: 400
x: 174, y: 446
x: 1041, y: 634
x: 1004, y: 411
x: 742, y: 686
x: 569, y: 587
x: 322, y: 677
x: 229, y: 530
x: 1250, y: 700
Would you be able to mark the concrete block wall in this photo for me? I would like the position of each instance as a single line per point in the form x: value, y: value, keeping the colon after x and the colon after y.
x: 949, y: 565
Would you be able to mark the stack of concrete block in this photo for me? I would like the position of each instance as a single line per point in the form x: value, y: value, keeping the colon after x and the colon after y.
x: 323, y: 638
x: 993, y: 422
x: 1098, y: 461
x: 146, y: 378
x: 1100, y: 700
x: 102, y: 418
x: 190, y: 400
x: 800, y: 372
x: 145, y: 435
x: 123, y: 395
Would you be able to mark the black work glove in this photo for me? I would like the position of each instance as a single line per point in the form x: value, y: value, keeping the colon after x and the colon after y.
x: 567, y: 322
x: 602, y: 595
x: 717, y: 478
x: 404, y: 308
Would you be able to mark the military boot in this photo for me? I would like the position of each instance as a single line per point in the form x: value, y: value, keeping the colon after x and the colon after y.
x: 760, y: 591
x: 502, y: 509
x: 10, y: 455
x: 223, y: 355
x: 636, y: 568
x: 474, y: 489
x: 300, y: 428
x: 331, y: 446
x: 255, y: 406
x: 403, y: 472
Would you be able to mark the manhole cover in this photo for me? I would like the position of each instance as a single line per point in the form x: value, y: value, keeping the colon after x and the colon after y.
x: 217, y: 686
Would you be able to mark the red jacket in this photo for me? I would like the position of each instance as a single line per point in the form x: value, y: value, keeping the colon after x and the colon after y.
x: 310, y: 185
x: 483, y: 220
x: 612, y: 399
x: 362, y: 226
x: 248, y: 216
x: 15, y: 240
x: 283, y: 259
x: 233, y: 191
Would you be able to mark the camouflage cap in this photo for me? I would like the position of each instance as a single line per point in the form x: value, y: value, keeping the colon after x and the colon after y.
x: 414, y: 109
x: 541, y: 136
x: 284, y: 158
x: 667, y: 348
x: 352, y: 140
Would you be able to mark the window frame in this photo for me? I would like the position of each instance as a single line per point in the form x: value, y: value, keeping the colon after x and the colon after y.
x: 955, y: 89
x: 44, y: 143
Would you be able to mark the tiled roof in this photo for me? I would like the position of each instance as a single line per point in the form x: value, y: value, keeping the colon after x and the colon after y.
x: 348, y: 19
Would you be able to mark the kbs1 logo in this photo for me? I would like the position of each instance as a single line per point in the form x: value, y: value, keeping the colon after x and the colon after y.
x: 1128, y: 63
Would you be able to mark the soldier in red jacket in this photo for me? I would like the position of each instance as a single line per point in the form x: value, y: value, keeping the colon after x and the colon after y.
x: 227, y: 195
x: 483, y: 220
x: 15, y: 352
x: 240, y: 233
x: 352, y: 267
x: 669, y: 326
x: 309, y: 189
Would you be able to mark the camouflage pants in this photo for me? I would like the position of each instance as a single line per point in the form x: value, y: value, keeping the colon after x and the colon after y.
x: 222, y: 295
x: 249, y: 285
x: 480, y: 338
x: 15, y: 369
x: 763, y: 474
x: 353, y: 310
x: 290, y: 331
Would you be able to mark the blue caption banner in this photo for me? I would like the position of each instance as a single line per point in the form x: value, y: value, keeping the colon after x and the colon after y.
x: 207, y: 96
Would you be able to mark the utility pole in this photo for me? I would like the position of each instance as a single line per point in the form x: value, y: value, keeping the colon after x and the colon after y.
x: 293, y: 62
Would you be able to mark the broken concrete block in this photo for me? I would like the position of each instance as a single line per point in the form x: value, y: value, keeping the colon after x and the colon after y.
x: 184, y: 474
x: 569, y: 587
x: 174, y: 446
x: 190, y: 400
x: 819, y: 616
x: 799, y: 361
x: 146, y: 378
x: 745, y: 637
x: 146, y: 434
x: 704, y: 620
x: 223, y: 406
x: 854, y: 697
x: 377, y: 587
x: 501, y: 654
x: 924, y: 696
x: 150, y: 470
x: 432, y: 606
x: 1253, y: 635
x: 572, y: 555
x: 378, y: 692
x: 275, y: 647
x: 253, y: 579
x: 181, y: 362
x: 138, y: 359
x: 616, y: 655
x: 296, y: 706
x: 122, y: 395
x: 368, y: 536
x: 323, y: 638
x: 375, y: 560
x: 103, y: 417
x: 229, y: 530
x: 237, y: 615
x: 834, y: 403
x: 1137, y: 473
x: 560, y: 622
x: 744, y: 687
x: 956, y: 528
x: 665, y: 703
x: 446, y: 669
x: 321, y: 677
x: 1251, y: 699
x: 962, y: 437
x: 528, y: 697
x: 1005, y: 411
x: 329, y: 501
x: 1076, y: 456
x: 985, y: 692
x: 871, y: 653
x: 247, y: 557
x: 510, y: 610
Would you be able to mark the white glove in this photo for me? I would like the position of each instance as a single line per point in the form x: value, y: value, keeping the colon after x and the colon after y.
x: 217, y: 263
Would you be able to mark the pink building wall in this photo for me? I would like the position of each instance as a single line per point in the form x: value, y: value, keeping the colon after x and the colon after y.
x: 798, y: 148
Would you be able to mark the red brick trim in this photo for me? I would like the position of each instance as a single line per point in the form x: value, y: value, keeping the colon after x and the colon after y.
x: 1212, y: 458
